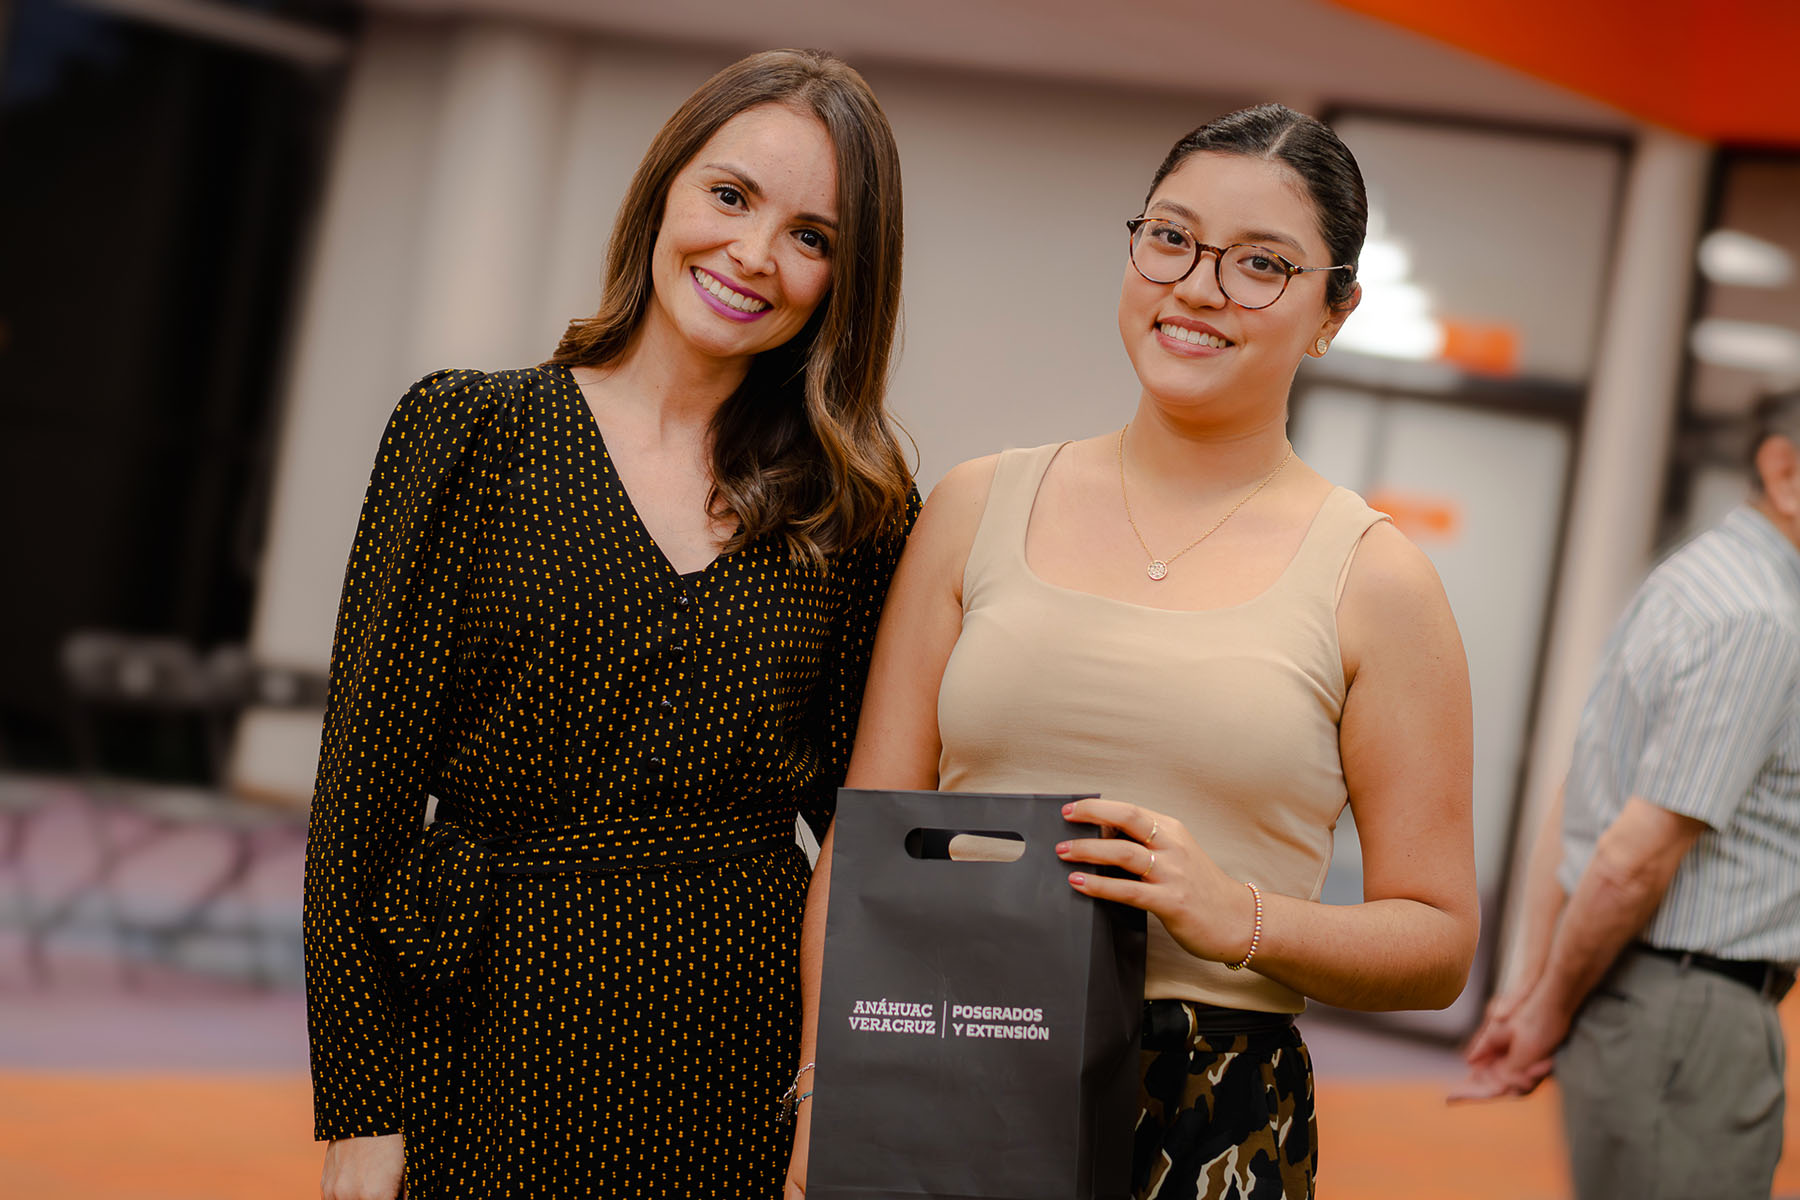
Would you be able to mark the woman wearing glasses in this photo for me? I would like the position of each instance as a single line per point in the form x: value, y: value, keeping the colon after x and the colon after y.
x: 1186, y: 618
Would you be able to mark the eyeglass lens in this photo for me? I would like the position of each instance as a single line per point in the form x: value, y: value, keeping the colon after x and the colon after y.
x: 1249, y: 276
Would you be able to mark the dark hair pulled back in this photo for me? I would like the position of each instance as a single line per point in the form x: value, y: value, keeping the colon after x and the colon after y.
x: 1308, y: 147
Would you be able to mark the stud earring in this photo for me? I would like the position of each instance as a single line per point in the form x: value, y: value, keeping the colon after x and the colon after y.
x: 1322, y: 345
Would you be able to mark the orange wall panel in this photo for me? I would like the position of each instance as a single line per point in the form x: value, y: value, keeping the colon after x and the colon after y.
x: 1721, y: 70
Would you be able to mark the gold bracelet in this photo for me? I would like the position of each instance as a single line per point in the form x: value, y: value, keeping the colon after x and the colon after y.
x: 1255, y: 932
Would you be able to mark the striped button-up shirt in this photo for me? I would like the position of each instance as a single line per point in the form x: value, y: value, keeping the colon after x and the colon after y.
x: 1697, y: 710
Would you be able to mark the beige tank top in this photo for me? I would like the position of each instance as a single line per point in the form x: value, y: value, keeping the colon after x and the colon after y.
x: 1226, y: 719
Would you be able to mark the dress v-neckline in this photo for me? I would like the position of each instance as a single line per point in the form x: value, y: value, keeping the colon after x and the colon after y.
x: 611, y: 470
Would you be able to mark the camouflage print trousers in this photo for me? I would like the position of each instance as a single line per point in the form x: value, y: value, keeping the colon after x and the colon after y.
x: 1224, y: 1115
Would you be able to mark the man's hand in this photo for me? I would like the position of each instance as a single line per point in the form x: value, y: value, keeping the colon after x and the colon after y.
x: 1618, y: 893
x: 1495, y: 1035
x: 1510, y: 1053
x: 364, y: 1168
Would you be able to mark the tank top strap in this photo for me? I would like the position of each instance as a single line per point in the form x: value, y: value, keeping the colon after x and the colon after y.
x: 1321, y: 566
x: 999, y: 545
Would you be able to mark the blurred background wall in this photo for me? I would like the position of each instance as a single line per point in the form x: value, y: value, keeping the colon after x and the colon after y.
x: 231, y: 234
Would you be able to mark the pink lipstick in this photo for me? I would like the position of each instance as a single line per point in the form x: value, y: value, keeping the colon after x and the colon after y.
x: 720, y: 306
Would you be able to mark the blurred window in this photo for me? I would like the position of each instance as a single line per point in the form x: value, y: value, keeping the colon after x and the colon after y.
x: 161, y: 163
x: 1488, y: 247
x: 1745, y: 339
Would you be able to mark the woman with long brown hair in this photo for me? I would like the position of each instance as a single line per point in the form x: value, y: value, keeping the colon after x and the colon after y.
x: 614, y: 612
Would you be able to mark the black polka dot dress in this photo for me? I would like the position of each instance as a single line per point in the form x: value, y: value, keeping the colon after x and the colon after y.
x: 582, y: 978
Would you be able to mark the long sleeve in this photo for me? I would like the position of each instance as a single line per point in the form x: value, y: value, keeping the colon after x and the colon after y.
x: 392, y: 665
x: 864, y: 574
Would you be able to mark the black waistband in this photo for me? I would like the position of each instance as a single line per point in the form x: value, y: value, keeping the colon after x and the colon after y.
x: 1171, y: 1024
x: 631, y: 842
x: 1771, y: 979
x: 430, y: 914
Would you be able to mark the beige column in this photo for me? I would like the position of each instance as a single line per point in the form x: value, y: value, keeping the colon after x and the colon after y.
x: 483, y: 233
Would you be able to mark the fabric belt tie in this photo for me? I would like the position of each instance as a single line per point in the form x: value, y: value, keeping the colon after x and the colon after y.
x: 430, y: 916
x: 1772, y: 980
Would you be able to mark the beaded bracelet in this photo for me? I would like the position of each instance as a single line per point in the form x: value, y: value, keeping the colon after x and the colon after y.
x: 1255, y: 932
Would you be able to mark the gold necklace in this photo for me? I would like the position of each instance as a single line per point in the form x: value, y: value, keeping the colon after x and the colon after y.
x: 1159, y: 567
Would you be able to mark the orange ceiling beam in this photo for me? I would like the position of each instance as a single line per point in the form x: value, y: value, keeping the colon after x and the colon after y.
x: 1722, y: 70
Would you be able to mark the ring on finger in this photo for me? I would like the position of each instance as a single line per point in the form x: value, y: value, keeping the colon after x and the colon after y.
x: 1149, y: 866
x: 1155, y: 824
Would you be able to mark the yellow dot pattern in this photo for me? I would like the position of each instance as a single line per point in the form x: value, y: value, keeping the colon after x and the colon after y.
x: 512, y: 641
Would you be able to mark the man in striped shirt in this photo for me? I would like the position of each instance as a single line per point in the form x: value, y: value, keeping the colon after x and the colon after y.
x: 1663, y: 908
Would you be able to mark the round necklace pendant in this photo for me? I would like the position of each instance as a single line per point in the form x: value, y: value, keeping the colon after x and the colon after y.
x: 1157, y: 569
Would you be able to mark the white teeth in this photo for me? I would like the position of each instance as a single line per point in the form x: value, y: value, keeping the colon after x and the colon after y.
x: 737, y: 300
x: 1193, y: 336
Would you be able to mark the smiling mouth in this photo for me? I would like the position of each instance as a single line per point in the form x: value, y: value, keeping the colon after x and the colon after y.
x: 725, y: 295
x: 1192, y: 337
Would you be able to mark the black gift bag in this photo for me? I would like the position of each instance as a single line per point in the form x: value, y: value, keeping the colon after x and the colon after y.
x: 978, y: 1020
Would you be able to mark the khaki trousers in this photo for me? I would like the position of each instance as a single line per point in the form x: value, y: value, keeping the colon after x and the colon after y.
x: 1671, y: 1084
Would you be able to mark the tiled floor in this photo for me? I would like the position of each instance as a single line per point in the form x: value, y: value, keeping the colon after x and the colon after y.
x: 189, y: 1082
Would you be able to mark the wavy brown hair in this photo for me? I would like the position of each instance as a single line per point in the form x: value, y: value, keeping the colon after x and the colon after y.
x: 803, y: 449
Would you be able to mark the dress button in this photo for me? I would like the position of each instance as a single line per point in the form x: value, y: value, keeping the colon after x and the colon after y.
x: 665, y: 704
x: 682, y: 599
x: 656, y: 760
